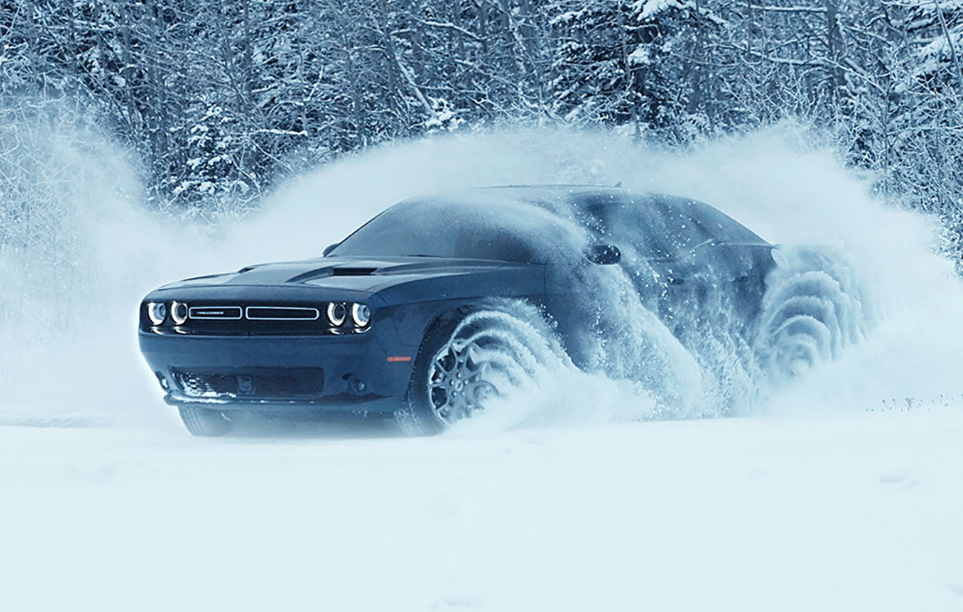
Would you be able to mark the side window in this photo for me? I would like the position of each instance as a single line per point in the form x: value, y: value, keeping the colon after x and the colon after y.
x: 683, y: 231
x: 656, y: 227
x: 491, y: 243
x: 721, y: 226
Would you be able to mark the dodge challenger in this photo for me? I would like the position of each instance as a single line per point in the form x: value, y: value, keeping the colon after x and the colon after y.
x: 388, y: 320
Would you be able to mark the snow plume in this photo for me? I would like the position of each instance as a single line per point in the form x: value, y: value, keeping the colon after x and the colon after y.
x: 532, y: 379
x: 76, y: 251
x: 69, y: 299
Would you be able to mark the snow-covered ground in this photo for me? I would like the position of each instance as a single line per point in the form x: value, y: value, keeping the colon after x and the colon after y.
x: 854, y: 512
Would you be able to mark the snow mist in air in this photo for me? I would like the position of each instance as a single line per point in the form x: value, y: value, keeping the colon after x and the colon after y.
x: 898, y: 342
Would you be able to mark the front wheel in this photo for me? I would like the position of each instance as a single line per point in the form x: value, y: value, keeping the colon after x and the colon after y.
x: 204, y: 422
x: 462, y: 367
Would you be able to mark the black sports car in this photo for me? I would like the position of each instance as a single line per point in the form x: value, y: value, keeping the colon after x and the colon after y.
x: 430, y: 309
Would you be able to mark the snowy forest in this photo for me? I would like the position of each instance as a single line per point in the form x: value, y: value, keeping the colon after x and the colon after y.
x: 219, y: 100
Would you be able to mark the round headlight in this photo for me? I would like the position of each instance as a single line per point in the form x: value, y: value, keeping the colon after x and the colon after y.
x: 179, y: 312
x: 360, y: 314
x: 337, y: 313
x: 157, y: 312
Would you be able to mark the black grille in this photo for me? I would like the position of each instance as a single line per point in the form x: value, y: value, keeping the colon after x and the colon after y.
x: 277, y: 384
x: 215, y: 313
x: 256, y: 327
x: 282, y: 313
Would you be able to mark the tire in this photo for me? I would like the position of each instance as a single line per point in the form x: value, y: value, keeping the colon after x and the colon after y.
x: 204, y: 422
x: 464, y: 365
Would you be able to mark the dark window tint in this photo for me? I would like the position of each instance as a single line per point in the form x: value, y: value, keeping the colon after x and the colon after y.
x: 723, y: 227
x: 659, y: 227
x: 436, y: 228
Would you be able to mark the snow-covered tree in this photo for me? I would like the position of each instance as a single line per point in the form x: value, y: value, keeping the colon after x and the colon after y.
x: 220, y: 99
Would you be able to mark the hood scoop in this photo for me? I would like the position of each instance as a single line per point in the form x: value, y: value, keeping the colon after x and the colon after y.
x: 353, y: 271
x: 333, y: 271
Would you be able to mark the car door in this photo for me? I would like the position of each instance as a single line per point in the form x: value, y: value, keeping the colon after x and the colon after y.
x: 661, y: 244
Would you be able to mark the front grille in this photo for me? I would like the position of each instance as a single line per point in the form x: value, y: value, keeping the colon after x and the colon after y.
x: 282, y: 313
x: 234, y: 319
x: 215, y: 313
x: 251, y: 384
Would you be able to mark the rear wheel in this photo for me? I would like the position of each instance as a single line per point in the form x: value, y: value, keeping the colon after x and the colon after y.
x: 812, y: 310
x: 204, y: 422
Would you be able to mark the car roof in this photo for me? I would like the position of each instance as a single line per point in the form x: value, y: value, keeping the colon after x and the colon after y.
x: 596, y: 198
x: 547, y: 194
x: 536, y: 192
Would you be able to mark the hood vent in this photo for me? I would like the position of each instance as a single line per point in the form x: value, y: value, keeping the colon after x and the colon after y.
x: 353, y: 271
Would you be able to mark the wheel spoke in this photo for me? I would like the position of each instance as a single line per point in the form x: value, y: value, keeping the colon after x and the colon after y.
x: 448, y: 358
x: 480, y: 372
x: 460, y: 411
x: 473, y: 357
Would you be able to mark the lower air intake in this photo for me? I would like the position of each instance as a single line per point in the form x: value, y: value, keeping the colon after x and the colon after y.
x: 301, y: 383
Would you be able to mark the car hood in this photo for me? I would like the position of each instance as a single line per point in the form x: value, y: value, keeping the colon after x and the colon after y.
x: 355, y: 275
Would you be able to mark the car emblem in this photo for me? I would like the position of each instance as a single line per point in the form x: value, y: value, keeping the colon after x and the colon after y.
x: 216, y: 312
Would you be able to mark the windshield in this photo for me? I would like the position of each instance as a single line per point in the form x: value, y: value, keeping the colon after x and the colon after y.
x: 502, y: 231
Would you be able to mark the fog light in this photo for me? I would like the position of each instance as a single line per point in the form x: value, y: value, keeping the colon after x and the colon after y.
x: 179, y: 312
x: 157, y: 312
x: 337, y: 313
x: 360, y: 314
x: 357, y: 386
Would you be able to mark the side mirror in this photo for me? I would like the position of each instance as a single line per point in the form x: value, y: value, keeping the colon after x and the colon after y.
x: 327, y: 250
x: 604, y: 254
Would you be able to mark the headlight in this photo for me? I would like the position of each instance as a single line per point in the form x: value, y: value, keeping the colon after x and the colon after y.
x: 157, y: 312
x: 337, y: 313
x: 179, y: 312
x: 360, y: 314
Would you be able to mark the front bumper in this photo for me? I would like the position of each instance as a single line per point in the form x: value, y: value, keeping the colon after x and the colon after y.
x: 366, y: 372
